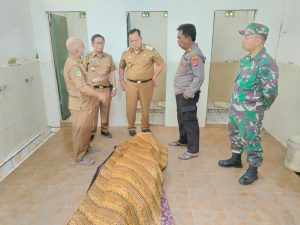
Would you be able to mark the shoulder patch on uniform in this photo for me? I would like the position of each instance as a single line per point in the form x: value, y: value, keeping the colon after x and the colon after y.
x: 127, y: 49
x: 195, y: 60
x: 105, y: 53
x: 148, y: 47
x: 78, y: 73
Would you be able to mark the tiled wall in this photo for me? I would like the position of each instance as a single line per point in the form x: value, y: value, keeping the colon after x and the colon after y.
x: 23, y: 153
x: 221, y: 79
x: 282, y: 120
x: 22, y: 114
x: 156, y: 115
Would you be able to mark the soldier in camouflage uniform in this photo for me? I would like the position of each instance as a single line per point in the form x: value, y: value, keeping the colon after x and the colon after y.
x: 254, y: 91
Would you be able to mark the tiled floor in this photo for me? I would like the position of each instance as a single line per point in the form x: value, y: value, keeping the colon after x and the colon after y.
x: 48, y: 187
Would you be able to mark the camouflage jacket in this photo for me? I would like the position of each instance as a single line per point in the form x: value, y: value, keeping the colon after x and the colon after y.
x: 256, y: 83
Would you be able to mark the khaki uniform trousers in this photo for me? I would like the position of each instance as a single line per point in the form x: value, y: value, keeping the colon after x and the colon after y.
x: 138, y: 92
x: 82, y: 130
x: 104, y: 110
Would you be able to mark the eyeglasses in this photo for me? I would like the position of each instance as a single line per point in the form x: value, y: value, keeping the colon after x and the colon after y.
x: 99, y: 43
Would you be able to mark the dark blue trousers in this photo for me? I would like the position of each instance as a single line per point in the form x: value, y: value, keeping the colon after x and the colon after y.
x: 188, y: 122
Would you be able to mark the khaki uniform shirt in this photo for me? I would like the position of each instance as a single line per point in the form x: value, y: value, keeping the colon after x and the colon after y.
x: 140, y: 65
x: 75, y: 78
x: 99, y: 65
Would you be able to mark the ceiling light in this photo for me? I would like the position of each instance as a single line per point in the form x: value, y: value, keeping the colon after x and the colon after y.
x: 145, y: 14
x: 229, y: 13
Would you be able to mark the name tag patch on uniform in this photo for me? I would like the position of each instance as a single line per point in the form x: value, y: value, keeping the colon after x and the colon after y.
x: 195, y: 60
x: 78, y: 73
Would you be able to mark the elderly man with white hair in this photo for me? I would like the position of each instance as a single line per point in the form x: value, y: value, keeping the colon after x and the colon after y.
x: 81, y: 96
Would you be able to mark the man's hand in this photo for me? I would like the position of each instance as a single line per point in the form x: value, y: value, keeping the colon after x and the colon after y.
x: 154, y: 81
x: 113, y: 92
x: 97, y: 79
x: 123, y: 85
x: 185, y: 96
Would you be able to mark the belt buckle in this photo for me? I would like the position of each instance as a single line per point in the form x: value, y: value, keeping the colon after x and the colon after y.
x: 101, y: 87
x: 139, y: 81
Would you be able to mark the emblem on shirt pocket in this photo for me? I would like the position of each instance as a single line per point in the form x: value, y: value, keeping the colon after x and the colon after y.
x: 78, y: 73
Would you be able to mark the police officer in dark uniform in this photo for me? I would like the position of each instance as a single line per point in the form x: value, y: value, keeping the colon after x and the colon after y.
x: 188, y: 80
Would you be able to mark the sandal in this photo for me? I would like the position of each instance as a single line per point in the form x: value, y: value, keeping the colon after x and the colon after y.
x: 93, y: 150
x: 187, y: 155
x: 86, y: 161
x: 176, y: 143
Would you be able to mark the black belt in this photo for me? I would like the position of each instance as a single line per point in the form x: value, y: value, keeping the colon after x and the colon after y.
x: 139, y: 81
x: 102, y: 86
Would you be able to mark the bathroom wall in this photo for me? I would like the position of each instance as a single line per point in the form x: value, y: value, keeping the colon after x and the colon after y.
x: 22, y: 110
x: 16, y: 39
x: 226, y: 53
x: 222, y: 76
x: 27, y: 107
x: 151, y: 28
x: 112, y: 21
x: 76, y: 26
x: 282, y: 121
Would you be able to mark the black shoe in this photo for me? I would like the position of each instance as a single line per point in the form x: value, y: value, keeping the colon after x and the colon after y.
x: 234, y: 161
x: 146, y: 130
x: 106, y: 134
x: 249, y: 177
x: 132, y: 133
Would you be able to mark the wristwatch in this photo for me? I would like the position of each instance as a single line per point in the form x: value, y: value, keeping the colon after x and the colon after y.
x: 114, y: 88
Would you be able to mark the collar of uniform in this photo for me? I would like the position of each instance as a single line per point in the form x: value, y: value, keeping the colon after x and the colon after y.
x: 190, y: 49
x: 258, y: 55
x: 96, y: 54
x: 141, y: 49
x: 195, y: 45
x: 79, y: 60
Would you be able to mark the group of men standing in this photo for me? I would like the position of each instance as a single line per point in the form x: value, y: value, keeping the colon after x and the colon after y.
x: 91, y: 84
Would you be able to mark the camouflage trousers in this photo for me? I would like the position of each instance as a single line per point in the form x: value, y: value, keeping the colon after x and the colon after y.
x: 244, y: 129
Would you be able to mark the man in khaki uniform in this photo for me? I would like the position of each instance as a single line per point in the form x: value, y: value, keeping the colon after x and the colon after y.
x: 100, y: 69
x: 138, y: 62
x: 80, y: 101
